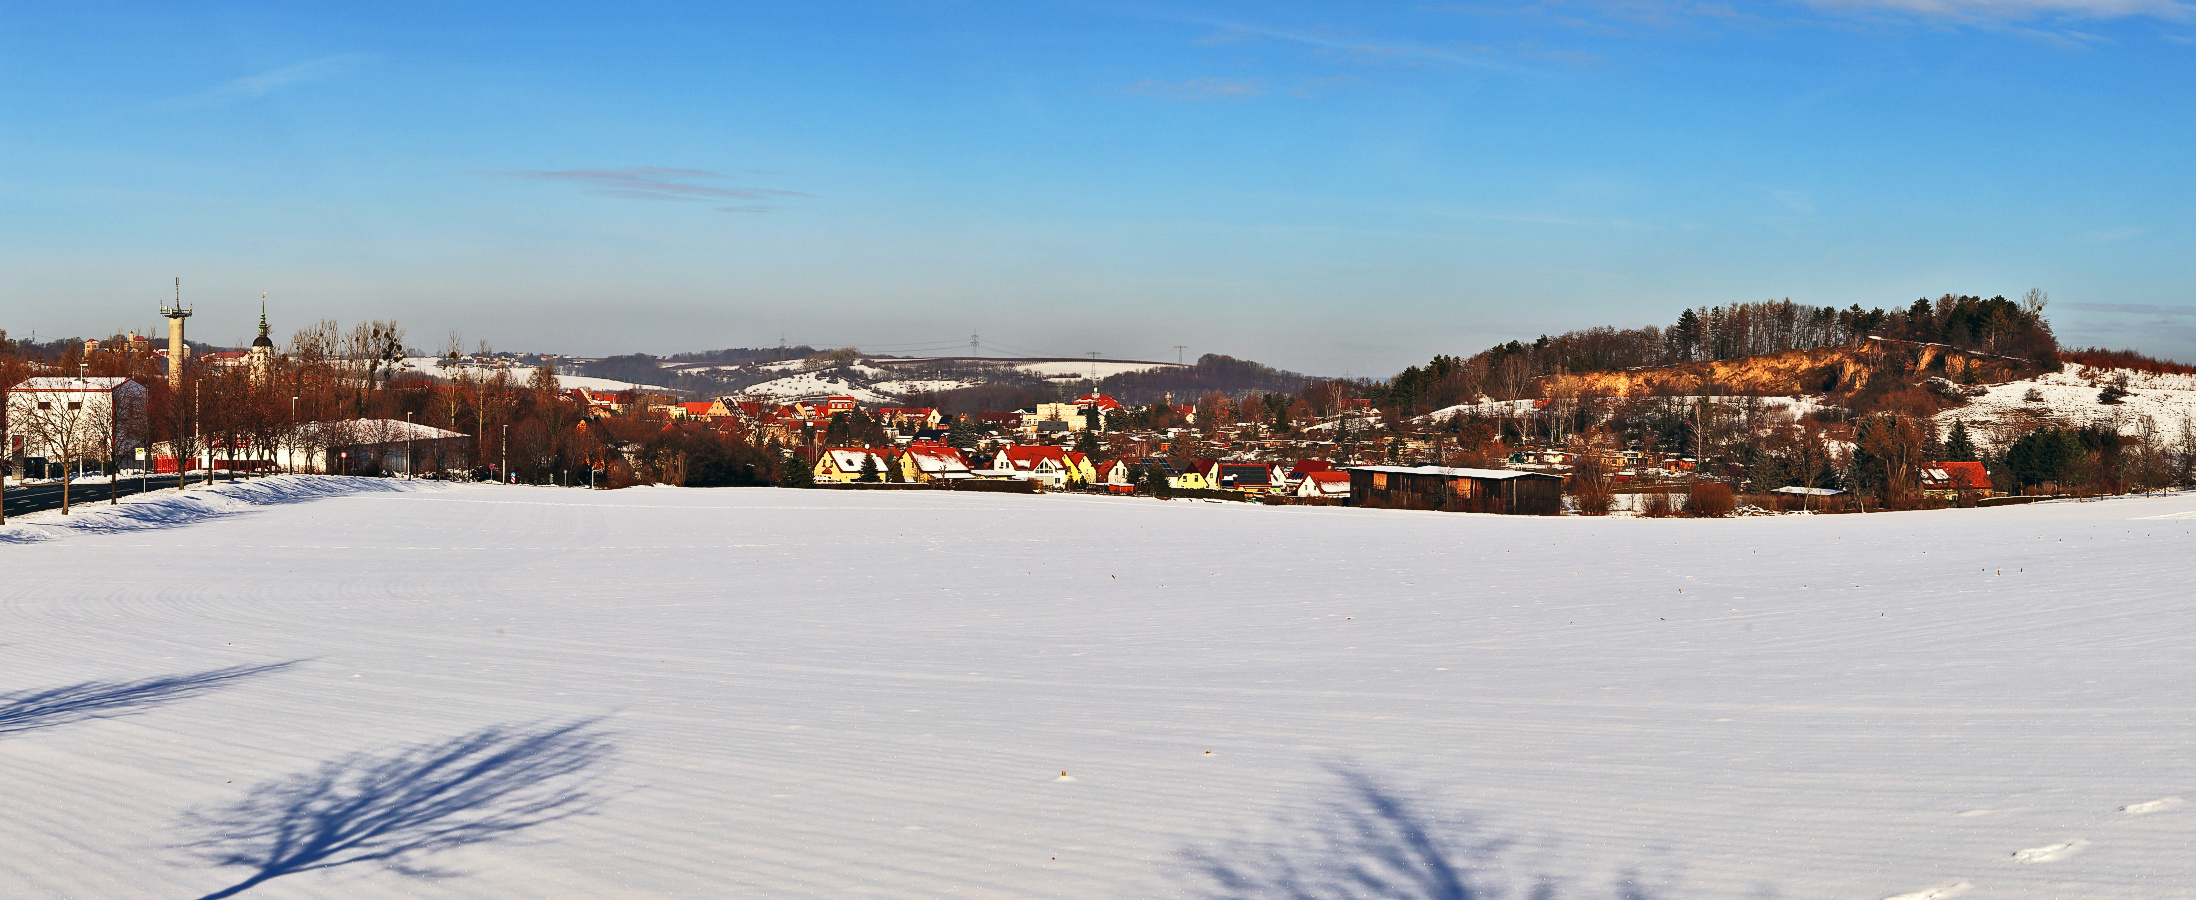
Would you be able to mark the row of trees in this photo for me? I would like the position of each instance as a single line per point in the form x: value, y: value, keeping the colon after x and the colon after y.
x: 1515, y: 369
x: 336, y: 387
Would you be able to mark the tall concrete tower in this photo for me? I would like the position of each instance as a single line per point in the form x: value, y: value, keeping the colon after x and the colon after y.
x: 177, y: 350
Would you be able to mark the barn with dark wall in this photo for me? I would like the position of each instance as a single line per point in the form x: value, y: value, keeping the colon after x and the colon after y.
x: 1502, y: 491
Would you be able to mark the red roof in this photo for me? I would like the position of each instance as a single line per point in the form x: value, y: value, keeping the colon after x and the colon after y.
x: 1967, y: 475
x: 1328, y: 477
x: 1307, y: 466
x: 1029, y: 457
x: 1104, y: 402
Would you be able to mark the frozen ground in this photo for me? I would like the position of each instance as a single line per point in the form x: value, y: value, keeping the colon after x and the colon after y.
x: 2161, y: 404
x: 768, y: 693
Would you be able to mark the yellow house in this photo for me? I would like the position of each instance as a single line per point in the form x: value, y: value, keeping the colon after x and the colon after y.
x: 844, y: 464
x: 1080, y: 470
x: 925, y: 462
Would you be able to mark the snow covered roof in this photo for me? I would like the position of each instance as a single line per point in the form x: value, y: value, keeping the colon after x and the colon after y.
x: 1451, y: 471
x: 849, y: 459
x: 936, y: 459
x: 55, y: 383
x: 374, y: 431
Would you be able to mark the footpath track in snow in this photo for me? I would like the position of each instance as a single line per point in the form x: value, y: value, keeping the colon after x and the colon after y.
x: 770, y: 693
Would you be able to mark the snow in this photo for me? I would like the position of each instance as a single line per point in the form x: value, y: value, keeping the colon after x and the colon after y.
x: 813, y: 385
x: 1087, y: 369
x: 905, y: 387
x: 568, y: 382
x: 2166, y: 403
x: 778, y: 693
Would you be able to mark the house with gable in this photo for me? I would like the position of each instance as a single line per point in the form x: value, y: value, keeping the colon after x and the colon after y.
x: 925, y: 462
x: 844, y: 464
x: 1112, y: 471
x: 707, y: 411
x: 1045, y: 465
x: 1325, y: 484
x: 1080, y: 469
x: 1950, y: 480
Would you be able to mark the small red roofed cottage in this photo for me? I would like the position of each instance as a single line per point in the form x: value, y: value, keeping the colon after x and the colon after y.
x: 1324, y: 485
x: 1951, y: 480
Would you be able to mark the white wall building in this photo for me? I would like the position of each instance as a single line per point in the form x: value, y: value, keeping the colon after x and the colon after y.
x: 75, y: 418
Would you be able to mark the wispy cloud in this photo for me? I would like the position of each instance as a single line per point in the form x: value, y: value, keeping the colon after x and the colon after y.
x: 1345, y: 46
x: 253, y: 87
x: 657, y: 183
x: 2134, y: 309
x: 1797, y: 201
x: 2014, y: 10
x: 1198, y: 89
x: 2108, y: 235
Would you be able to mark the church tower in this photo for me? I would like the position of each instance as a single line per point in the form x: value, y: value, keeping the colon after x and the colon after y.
x: 262, y: 354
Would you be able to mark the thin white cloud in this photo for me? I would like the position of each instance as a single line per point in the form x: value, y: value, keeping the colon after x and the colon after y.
x: 1199, y: 89
x: 1797, y: 201
x: 252, y: 87
x: 2172, y: 10
x: 659, y: 184
x: 2108, y: 235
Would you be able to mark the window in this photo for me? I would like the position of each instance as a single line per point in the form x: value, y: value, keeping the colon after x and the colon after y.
x: 76, y: 404
x: 45, y: 404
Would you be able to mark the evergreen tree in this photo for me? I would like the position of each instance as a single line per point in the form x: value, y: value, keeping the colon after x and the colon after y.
x: 964, y: 434
x: 1087, y: 443
x: 1958, y: 447
x: 2043, y: 455
x: 869, y: 469
x: 793, y: 472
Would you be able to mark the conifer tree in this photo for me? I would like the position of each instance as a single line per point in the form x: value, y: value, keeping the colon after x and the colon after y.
x: 1958, y: 447
x: 869, y: 468
x: 795, y: 473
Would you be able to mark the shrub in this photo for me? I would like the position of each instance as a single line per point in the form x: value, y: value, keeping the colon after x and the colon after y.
x: 1659, y: 504
x: 1710, y: 500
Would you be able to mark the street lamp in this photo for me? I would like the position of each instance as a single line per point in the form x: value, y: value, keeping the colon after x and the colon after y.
x: 504, y: 468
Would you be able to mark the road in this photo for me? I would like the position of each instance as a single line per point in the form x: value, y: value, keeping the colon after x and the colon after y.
x: 33, y: 498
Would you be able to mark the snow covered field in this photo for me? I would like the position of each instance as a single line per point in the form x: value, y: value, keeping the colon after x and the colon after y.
x: 770, y: 693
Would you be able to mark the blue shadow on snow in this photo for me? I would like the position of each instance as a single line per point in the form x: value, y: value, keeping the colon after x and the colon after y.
x: 393, y: 808
x: 106, y: 699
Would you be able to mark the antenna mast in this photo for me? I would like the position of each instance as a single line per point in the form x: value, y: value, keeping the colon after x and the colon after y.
x: 177, y: 348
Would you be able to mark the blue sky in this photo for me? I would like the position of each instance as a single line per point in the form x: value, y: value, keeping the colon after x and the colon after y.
x: 1332, y: 188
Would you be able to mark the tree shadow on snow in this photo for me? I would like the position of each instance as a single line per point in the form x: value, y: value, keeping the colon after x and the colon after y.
x: 1367, y: 840
x: 107, y: 699
x: 173, y: 509
x: 396, y: 807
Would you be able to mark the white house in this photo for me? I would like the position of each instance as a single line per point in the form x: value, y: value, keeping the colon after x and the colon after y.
x: 75, y: 418
x: 1324, y: 485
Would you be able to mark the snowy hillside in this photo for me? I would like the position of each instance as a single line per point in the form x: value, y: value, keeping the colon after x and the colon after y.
x: 2165, y: 403
x: 770, y: 693
x: 813, y: 385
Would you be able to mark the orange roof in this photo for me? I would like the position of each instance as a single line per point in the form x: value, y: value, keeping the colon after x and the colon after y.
x: 1967, y: 475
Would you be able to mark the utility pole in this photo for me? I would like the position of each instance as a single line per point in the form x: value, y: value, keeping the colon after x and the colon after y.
x: 504, y: 468
x: 408, y: 468
x: 1178, y: 348
x: 975, y: 347
x: 1093, y: 364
